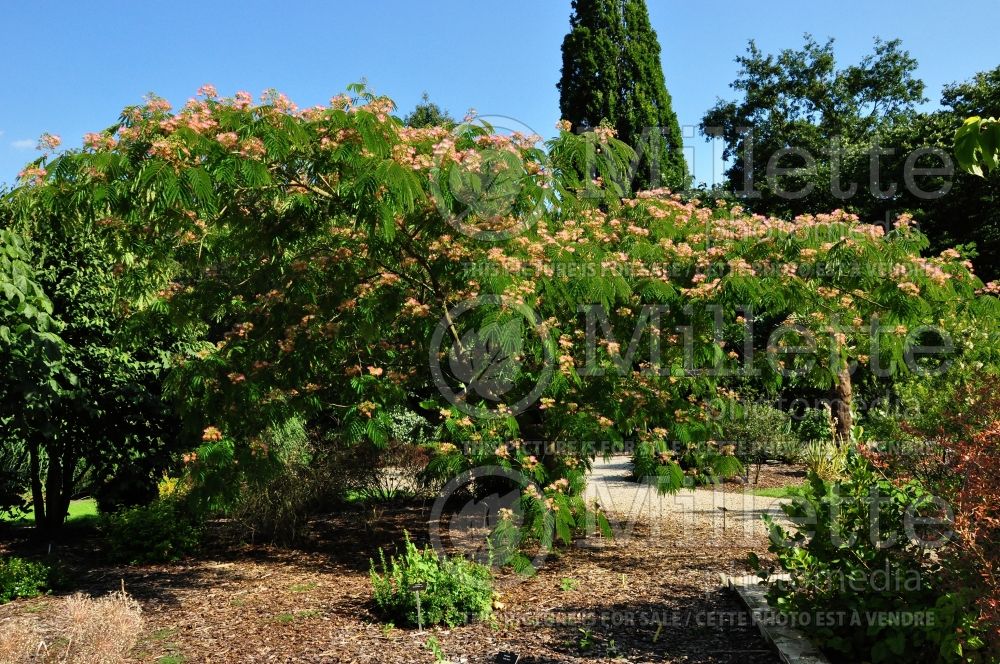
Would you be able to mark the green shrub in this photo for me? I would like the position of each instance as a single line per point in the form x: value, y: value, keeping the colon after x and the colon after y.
x: 814, y: 424
x: 22, y: 578
x: 852, y: 559
x: 457, y: 590
x: 762, y: 432
x: 307, y: 470
x: 159, y: 532
x: 14, y: 477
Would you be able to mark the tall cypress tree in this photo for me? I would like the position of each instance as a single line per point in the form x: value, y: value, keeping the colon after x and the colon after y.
x: 611, y: 71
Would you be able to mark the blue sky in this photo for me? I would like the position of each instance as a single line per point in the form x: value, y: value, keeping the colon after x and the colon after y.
x: 70, y: 67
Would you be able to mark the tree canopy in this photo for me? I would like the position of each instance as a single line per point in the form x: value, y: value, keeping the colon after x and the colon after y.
x: 31, y: 353
x: 333, y: 260
x: 805, y: 135
x: 100, y: 424
x: 799, y: 101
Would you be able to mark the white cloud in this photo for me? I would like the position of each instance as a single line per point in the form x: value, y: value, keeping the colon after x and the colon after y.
x: 23, y: 144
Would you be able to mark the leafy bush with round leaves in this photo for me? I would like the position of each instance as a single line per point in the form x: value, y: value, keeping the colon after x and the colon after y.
x: 22, y: 578
x: 814, y: 425
x: 840, y: 564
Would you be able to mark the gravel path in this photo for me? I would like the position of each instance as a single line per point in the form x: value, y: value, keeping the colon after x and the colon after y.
x: 687, y: 517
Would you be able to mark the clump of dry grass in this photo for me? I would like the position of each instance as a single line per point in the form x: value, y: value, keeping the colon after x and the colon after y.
x: 83, y: 630
x: 100, y: 631
x: 19, y: 640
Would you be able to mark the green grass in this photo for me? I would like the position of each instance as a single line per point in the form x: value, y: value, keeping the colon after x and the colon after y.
x: 354, y: 497
x: 165, y: 639
x: 79, y: 511
x: 171, y: 659
x: 286, y: 618
x: 781, y: 491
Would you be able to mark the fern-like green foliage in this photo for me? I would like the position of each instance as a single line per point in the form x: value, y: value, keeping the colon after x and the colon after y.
x: 669, y: 469
x: 655, y: 463
x: 311, y: 260
x: 455, y: 590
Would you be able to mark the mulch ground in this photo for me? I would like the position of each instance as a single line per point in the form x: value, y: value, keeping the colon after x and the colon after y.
x: 650, y: 595
x: 771, y: 476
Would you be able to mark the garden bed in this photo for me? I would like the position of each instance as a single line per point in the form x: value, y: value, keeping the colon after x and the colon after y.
x: 644, y: 599
x: 773, y: 475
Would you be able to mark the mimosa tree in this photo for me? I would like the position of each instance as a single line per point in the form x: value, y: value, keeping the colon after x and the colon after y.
x: 333, y: 260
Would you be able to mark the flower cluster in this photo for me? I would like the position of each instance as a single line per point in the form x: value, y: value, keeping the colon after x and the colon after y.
x: 48, y: 142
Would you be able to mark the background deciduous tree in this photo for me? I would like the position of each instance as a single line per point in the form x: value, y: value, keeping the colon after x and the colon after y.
x: 97, y: 423
x: 799, y: 99
x: 31, y: 355
x: 862, y: 130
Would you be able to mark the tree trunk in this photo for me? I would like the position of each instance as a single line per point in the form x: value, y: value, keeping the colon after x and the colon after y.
x: 69, y: 467
x: 53, y: 494
x: 58, y: 486
x: 37, y: 497
x: 842, y: 396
